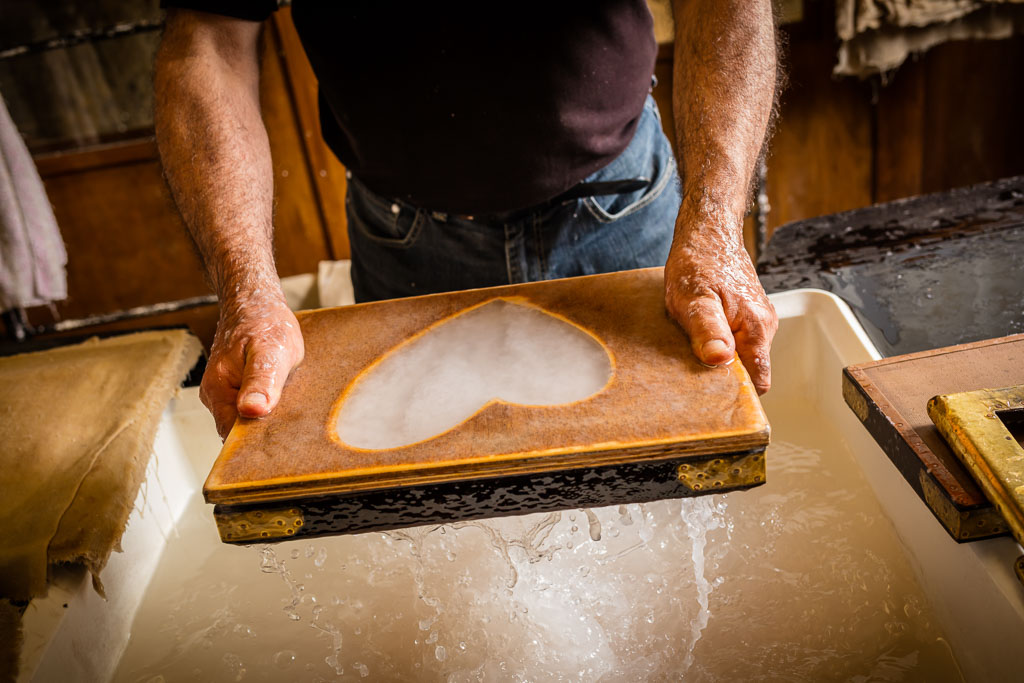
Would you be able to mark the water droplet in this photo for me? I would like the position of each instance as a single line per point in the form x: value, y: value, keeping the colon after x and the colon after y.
x: 234, y: 665
x: 284, y: 659
x: 595, y: 525
x: 244, y: 631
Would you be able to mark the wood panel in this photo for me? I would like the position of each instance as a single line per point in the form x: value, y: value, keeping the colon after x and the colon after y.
x: 301, y: 238
x: 820, y: 159
x: 973, y: 113
x: 113, y: 154
x: 126, y: 243
x: 899, y: 152
x: 328, y: 174
x: 951, y: 118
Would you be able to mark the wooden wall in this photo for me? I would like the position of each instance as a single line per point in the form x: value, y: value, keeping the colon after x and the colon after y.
x: 949, y: 118
x: 126, y: 243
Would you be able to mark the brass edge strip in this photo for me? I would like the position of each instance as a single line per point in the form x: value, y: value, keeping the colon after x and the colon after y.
x: 258, y: 525
x: 963, y: 525
x: 727, y: 472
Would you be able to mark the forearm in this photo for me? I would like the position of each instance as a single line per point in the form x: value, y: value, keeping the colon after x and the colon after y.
x: 216, y: 157
x: 723, y: 96
x: 215, y: 153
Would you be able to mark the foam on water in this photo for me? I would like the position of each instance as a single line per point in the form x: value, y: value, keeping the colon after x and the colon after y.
x: 801, y: 579
x: 500, y: 350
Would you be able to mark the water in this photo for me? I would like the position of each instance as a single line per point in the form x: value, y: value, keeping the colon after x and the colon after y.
x: 802, y: 579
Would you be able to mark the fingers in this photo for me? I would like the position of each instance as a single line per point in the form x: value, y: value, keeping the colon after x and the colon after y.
x: 251, y: 359
x: 744, y: 327
x: 218, y: 391
x: 704, y: 322
x: 758, y: 325
x: 267, y: 366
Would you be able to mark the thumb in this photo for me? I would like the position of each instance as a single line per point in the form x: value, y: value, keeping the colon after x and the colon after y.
x: 707, y: 327
x: 266, y: 369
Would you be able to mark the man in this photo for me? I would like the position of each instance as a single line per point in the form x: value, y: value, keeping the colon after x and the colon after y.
x: 483, y: 150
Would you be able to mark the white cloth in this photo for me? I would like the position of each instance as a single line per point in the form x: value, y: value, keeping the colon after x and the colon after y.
x: 32, y: 255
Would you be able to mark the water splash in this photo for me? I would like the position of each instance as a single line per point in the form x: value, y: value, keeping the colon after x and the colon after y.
x: 640, y: 595
x: 594, y: 524
x: 269, y: 564
x: 700, y: 515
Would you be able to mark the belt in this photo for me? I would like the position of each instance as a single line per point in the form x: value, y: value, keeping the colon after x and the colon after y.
x: 578, y: 191
x: 603, y: 187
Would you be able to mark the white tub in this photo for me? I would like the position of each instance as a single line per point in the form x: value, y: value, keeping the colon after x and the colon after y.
x: 834, y: 569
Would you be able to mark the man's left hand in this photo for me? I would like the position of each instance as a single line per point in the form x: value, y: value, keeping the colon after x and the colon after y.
x: 712, y: 291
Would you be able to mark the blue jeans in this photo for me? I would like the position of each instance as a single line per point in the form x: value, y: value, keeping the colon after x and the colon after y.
x: 401, y: 250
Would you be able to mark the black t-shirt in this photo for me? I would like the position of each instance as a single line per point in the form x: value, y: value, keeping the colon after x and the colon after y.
x: 472, y: 107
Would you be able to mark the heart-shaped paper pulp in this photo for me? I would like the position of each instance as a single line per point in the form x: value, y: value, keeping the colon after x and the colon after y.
x: 500, y: 350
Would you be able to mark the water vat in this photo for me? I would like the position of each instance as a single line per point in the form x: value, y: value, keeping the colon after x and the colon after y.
x: 832, y: 570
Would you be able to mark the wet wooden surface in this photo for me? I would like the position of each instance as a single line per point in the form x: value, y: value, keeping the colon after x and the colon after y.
x: 660, y: 402
x: 891, y: 397
x: 919, y: 273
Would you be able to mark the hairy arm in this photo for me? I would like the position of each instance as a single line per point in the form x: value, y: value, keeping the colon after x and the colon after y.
x: 216, y: 157
x: 723, y: 97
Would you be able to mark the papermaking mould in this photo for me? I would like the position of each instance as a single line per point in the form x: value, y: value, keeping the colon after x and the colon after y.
x: 664, y: 425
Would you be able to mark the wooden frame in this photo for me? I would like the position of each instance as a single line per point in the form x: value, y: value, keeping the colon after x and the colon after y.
x: 890, y: 397
x: 704, y: 427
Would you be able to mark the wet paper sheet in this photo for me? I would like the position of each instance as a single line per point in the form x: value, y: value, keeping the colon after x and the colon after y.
x: 77, y: 430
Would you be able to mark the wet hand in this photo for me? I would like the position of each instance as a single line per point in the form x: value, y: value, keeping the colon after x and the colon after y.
x: 257, y: 344
x: 712, y: 291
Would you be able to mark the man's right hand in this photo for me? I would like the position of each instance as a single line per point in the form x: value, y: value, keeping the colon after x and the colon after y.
x: 257, y: 344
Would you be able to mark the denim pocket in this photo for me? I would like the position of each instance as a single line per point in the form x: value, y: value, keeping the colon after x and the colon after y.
x: 649, y: 155
x: 610, y: 208
x: 387, y: 222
